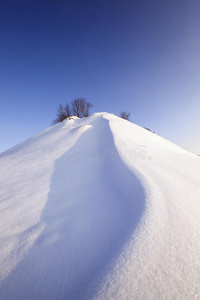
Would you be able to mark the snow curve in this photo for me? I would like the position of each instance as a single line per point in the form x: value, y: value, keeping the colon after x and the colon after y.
x: 94, y: 205
x: 99, y: 208
x: 161, y: 261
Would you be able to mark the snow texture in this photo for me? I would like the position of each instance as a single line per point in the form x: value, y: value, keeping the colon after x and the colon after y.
x: 99, y: 208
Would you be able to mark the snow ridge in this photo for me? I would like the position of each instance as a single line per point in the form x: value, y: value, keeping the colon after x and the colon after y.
x: 99, y: 208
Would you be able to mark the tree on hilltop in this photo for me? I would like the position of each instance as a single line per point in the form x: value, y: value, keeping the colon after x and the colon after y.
x: 124, y: 115
x: 62, y: 113
x: 79, y: 107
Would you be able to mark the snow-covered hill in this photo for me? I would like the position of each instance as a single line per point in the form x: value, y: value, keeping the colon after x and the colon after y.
x: 99, y: 208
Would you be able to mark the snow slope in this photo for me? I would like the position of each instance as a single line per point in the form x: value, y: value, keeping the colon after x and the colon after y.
x: 99, y: 208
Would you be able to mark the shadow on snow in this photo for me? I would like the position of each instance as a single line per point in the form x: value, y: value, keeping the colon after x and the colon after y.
x: 93, y: 208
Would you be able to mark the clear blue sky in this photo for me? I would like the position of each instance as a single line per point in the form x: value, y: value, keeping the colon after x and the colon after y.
x: 139, y: 56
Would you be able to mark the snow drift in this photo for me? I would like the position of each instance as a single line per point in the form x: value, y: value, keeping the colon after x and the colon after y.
x: 99, y: 208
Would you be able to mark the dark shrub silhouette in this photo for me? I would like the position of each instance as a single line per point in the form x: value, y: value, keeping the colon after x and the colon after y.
x: 79, y: 107
x: 124, y: 115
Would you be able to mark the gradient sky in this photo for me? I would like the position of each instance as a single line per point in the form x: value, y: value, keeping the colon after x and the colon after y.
x: 139, y: 56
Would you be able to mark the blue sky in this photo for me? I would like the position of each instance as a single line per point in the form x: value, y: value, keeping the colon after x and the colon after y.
x: 139, y: 56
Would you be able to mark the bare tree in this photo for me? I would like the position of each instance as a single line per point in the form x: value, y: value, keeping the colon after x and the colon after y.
x: 80, y: 107
x: 87, y: 109
x: 124, y: 115
x: 67, y: 111
x: 62, y: 113
x: 76, y: 107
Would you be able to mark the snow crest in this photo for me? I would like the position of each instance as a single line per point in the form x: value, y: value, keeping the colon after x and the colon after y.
x: 99, y: 208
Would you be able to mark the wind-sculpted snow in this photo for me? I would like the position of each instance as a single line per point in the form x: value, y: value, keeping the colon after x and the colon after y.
x: 162, y: 260
x: 25, y: 176
x: 99, y: 208
x: 93, y: 206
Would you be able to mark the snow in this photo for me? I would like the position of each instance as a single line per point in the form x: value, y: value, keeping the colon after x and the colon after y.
x: 99, y: 208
